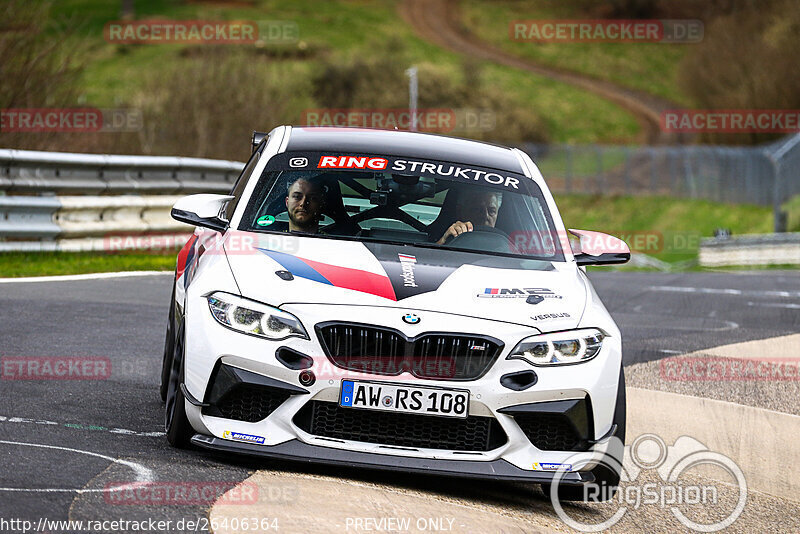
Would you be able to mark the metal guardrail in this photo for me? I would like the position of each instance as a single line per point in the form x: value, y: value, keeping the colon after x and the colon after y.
x: 65, y: 223
x: 763, y: 249
x: 63, y: 201
x: 34, y: 172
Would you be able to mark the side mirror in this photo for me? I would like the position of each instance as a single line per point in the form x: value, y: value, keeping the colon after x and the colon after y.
x: 202, y: 210
x: 598, y: 248
x: 256, y: 139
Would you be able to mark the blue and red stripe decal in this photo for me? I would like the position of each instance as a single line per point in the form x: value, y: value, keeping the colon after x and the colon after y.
x: 334, y: 275
x: 185, y: 256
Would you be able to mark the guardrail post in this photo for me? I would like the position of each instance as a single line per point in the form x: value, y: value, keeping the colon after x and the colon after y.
x: 778, y: 217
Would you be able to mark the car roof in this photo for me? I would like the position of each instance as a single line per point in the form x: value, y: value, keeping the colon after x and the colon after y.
x: 402, y: 144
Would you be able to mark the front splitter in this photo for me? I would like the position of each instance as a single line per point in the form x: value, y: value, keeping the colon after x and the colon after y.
x: 298, y: 451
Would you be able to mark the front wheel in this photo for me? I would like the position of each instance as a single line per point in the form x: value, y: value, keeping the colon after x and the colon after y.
x: 169, y: 348
x: 176, y: 424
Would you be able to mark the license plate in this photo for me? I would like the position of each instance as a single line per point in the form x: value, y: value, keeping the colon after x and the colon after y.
x: 406, y: 399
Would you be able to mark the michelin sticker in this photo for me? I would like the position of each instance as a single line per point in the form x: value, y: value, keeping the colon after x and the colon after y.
x: 551, y: 467
x: 238, y: 436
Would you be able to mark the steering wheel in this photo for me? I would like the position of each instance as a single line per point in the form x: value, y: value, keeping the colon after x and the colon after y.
x: 483, y: 237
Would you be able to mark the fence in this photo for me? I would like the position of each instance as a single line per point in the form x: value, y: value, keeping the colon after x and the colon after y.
x: 767, y: 175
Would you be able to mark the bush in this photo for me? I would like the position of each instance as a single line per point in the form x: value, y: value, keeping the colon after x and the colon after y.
x: 213, y: 101
x: 36, y: 69
x: 747, y: 61
x: 380, y: 82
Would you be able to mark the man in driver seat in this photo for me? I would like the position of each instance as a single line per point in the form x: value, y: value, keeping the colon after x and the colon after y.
x: 473, y: 209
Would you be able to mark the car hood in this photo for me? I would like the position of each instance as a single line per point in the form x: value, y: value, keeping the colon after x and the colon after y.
x: 318, y: 270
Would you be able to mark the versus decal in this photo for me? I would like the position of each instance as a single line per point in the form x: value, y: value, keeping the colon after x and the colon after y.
x: 516, y: 292
x: 547, y: 316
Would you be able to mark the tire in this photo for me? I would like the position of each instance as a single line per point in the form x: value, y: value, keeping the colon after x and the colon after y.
x: 176, y: 424
x: 605, y: 477
x: 169, y: 348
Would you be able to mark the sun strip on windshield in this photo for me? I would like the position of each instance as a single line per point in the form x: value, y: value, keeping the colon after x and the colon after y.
x: 452, y: 171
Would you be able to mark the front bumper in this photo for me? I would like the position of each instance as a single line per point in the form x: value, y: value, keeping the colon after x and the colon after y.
x: 209, y: 346
x: 296, y: 450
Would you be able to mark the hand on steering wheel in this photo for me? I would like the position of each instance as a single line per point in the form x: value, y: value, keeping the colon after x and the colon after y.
x: 455, y: 230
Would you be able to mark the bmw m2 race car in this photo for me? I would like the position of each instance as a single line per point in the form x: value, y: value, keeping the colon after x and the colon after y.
x: 393, y: 300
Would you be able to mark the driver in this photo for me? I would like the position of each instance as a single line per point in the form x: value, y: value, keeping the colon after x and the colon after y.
x: 304, y: 203
x: 476, y: 209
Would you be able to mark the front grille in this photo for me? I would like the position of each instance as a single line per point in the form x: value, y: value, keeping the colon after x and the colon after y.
x: 550, y: 432
x: 330, y: 420
x: 248, y: 402
x: 383, y: 351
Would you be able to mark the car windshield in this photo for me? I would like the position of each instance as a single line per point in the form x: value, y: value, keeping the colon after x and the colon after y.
x: 402, y: 201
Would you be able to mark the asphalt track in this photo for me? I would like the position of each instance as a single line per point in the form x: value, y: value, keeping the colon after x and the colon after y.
x: 62, y: 442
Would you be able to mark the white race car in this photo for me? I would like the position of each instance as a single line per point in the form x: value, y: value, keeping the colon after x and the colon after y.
x: 394, y: 300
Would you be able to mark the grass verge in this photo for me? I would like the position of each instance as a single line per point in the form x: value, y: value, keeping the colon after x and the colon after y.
x: 16, y: 264
x: 667, y: 228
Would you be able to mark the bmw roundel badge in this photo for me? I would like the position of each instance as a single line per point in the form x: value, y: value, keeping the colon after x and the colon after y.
x: 411, y: 318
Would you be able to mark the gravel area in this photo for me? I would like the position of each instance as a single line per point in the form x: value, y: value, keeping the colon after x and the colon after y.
x: 515, y: 507
x: 777, y: 395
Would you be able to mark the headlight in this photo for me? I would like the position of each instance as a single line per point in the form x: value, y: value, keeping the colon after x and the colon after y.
x: 250, y: 317
x: 573, y: 346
